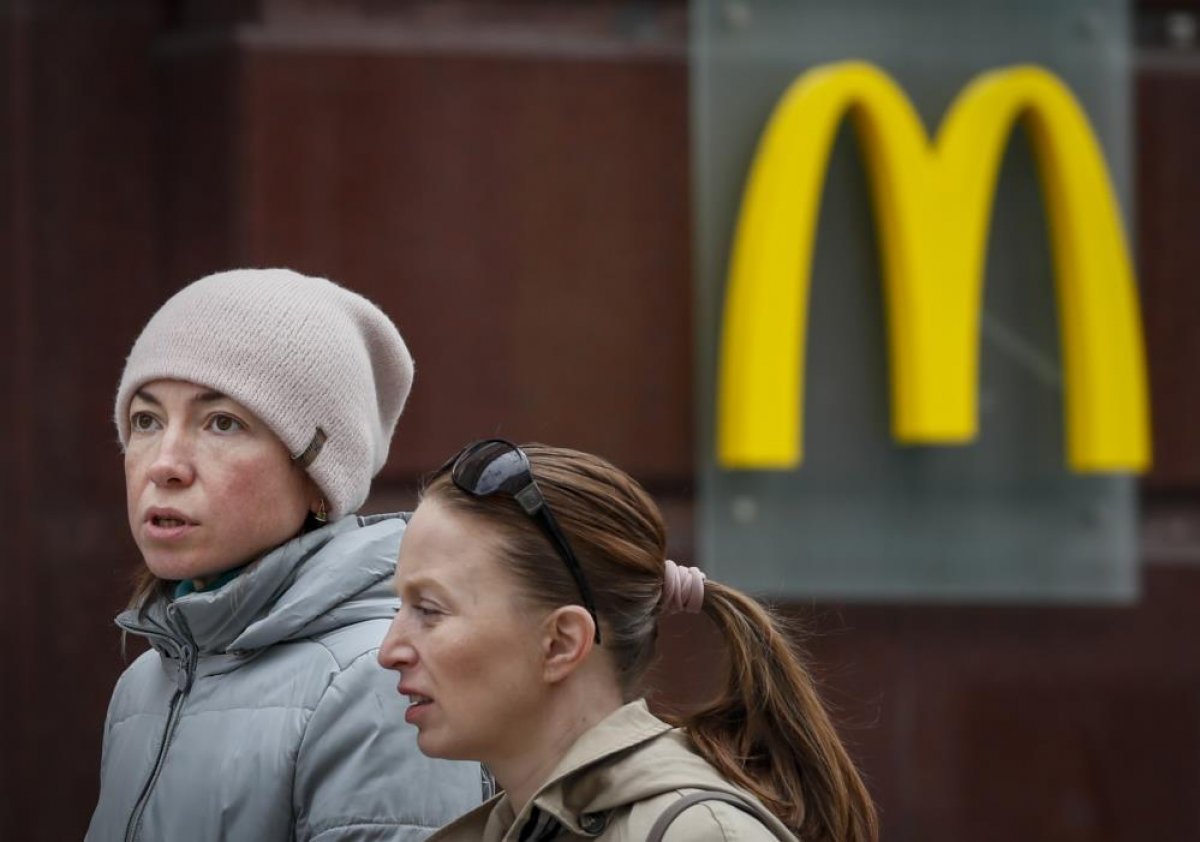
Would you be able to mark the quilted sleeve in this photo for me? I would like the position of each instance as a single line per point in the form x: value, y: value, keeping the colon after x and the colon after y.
x: 359, y: 774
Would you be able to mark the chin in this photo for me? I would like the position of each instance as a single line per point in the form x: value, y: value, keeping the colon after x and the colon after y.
x: 175, y: 568
x: 429, y: 746
x: 442, y: 749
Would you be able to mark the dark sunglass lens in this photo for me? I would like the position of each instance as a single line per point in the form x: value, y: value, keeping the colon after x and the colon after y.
x: 492, y: 466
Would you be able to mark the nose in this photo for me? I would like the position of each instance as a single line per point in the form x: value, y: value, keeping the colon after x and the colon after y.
x: 396, y: 652
x: 173, y: 464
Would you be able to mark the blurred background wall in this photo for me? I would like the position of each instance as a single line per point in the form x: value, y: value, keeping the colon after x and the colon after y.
x: 510, y: 181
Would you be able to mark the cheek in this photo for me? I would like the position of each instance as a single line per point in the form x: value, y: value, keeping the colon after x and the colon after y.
x: 258, y: 487
x: 134, y: 457
x: 503, y: 664
x: 134, y: 480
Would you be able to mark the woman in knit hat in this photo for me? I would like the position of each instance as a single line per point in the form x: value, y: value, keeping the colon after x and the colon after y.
x: 532, y: 580
x: 254, y: 410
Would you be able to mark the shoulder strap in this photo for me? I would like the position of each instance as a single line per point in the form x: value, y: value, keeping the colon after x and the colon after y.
x: 669, y: 815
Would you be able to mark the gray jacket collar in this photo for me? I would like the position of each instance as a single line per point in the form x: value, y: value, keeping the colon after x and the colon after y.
x: 322, y: 580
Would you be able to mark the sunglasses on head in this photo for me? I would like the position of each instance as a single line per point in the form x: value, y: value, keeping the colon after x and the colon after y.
x: 495, y: 466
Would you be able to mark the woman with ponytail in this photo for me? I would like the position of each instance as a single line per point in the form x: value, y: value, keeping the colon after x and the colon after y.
x: 532, y: 580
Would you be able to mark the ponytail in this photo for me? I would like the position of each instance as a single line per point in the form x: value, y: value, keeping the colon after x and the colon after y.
x: 769, y: 733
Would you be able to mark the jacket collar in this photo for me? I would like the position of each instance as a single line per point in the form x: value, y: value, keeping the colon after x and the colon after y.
x: 316, y: 582
x: 629, y: 756
x: 626, y: 727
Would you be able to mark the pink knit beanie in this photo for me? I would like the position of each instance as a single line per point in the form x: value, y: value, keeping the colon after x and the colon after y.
x: 323, y: 367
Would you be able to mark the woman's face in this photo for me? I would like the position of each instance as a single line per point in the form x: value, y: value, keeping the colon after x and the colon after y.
x: 467, y: 647
x: 208, y: 486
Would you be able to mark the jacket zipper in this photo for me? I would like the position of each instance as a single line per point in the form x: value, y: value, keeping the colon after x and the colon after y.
x: 139, y: 808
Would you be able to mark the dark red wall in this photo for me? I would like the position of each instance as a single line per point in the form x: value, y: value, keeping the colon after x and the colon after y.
x: 510, y: 181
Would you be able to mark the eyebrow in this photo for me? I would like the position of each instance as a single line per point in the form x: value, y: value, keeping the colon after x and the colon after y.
x: 422, y: 582
x: 209, y: 396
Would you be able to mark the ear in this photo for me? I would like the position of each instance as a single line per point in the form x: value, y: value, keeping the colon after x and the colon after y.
x: 567, y: 640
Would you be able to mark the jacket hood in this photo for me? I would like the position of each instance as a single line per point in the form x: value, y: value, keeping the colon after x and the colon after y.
x: 315, y: 583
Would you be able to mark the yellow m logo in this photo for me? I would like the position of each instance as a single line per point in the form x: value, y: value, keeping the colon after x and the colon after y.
x: 933, y: 208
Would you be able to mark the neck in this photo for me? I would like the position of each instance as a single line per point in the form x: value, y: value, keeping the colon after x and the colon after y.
x: 570, y: 711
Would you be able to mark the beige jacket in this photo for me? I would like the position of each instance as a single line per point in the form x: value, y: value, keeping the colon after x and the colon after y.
x: 612, y: 785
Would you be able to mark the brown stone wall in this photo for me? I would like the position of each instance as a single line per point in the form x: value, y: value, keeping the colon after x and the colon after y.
x: 79, y: 245
x: 1168, y: 172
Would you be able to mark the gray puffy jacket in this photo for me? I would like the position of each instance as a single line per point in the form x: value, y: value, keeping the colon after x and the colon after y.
x: 261, y: 713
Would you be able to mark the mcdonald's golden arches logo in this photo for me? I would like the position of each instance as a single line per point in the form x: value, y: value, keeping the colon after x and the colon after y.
x: 933, y: 204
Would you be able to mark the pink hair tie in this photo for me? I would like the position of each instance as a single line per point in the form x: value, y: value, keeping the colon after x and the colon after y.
x: 683, y: 588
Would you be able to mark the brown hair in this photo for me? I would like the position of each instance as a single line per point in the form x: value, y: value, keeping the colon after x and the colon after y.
x: 145, y: 584
x: 767, y: 731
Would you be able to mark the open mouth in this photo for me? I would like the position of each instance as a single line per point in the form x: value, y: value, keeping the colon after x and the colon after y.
x: 167, y: 522
x: 416, y: 700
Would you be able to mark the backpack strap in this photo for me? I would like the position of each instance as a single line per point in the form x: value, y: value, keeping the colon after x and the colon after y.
x: 669, y: 815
